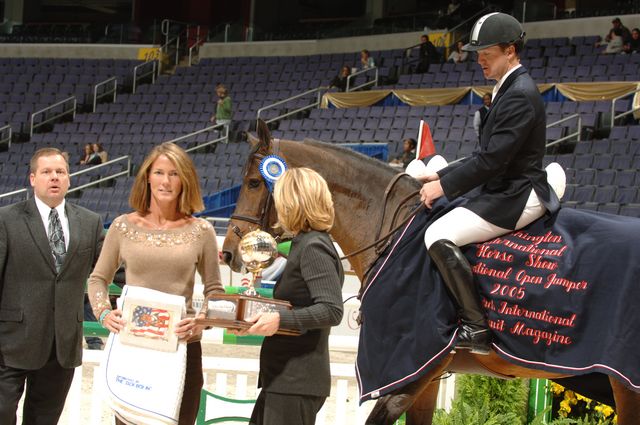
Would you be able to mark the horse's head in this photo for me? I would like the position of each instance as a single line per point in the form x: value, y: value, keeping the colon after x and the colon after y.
x: 254, y: 208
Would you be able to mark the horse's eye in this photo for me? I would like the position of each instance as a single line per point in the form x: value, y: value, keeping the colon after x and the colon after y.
x: 254, y: 183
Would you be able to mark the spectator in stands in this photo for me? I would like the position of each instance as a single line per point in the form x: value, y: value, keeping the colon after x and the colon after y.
x: 633, y: 46
x: 615, y: 43
x: 294, y: 370
x: 458, y: 55
x: 508, y: 186
x: 164, y: 196
x: 224, y: 107
x: 481, y: 113
x: 408, y: 153
x: 47, y: 249
x: 623, y: 31
x: 98, y: 155
x: 428, y: 54
x: 87, y: 153
x: 340, y: 80
x: 366, y: 61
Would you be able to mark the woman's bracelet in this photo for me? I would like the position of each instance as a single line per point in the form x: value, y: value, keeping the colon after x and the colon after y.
x: 104, y: 314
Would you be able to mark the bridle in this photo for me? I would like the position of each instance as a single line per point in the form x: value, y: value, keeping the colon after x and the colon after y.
x: 263, y: 219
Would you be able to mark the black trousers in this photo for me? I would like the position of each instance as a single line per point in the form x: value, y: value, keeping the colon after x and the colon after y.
x: 193, y: 382
x: 285, y: 409
x: 46, y: 393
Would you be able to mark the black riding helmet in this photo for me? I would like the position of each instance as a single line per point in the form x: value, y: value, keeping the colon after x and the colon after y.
x: 492, y: 29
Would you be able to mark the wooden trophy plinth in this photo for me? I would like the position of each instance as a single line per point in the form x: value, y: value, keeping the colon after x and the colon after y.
x: 231, y: 311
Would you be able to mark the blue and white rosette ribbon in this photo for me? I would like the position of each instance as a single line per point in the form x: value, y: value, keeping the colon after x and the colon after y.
x: 271, y: 168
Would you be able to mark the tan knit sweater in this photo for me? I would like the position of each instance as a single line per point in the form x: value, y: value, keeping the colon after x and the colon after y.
x: 164, y: 260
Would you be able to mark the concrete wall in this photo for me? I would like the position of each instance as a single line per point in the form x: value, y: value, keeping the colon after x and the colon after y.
x: 311, y: 47
x: 88, y: 51
x: 582, y: 26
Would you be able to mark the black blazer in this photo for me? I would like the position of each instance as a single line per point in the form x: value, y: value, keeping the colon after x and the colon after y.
x: 312, y: 282
x: 37, y: 305
x: 509, y: 162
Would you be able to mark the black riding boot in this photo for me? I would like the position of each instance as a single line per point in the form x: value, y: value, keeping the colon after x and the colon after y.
x: 455, y: 269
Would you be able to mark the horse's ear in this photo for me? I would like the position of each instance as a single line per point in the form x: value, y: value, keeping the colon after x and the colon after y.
x: 264, y: 136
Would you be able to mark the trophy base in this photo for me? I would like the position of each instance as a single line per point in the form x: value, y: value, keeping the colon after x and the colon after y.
x: 230, y: 311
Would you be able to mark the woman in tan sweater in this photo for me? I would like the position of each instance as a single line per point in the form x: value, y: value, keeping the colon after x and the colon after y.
x: 162, y: 246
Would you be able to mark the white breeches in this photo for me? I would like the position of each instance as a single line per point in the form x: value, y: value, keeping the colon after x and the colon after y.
x: 462, y: 226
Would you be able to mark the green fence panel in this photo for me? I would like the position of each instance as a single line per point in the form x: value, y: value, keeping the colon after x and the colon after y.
x: 539, y: 399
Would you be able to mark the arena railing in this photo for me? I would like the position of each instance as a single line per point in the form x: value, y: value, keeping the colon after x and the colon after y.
x: 367, y: 83
x: 107, y: 92
x: 71, y: 111
x: 614, y: 117
x: 140, y: 72
x: 5, y: 135
x: 318, y: 91
x: 125, y: 172
x: 577, y: 134
x: 195, y: 47
x: 224, y: 138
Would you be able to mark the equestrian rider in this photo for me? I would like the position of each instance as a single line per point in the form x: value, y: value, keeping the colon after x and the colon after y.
x: 507, y: 169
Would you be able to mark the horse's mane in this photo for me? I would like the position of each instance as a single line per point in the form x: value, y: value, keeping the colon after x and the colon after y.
x: 353, y: 155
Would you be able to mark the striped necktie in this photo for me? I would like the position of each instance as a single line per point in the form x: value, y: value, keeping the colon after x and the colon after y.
x: 56, y: 239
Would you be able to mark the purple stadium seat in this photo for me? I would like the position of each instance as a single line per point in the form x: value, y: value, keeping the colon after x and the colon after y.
x: 634, y: 132
x: 627, y: 195
x: 585, y: 176
x: 631, y: 210
x: 582, y: 161
x: 621, y: 162
x: 604, y: 194
x: 556, y: 62
x: 554, y: 133
x: 619, y: 146
x: 584, y: 193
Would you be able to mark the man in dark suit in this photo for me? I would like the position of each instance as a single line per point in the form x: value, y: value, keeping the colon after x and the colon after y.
x: 507, y: 170
x: 47, y: 249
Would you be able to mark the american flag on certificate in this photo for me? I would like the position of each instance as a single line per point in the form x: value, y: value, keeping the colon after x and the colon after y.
x: 150, y: 322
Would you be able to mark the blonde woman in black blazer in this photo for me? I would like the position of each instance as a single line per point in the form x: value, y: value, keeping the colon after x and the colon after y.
x: 294, y: 370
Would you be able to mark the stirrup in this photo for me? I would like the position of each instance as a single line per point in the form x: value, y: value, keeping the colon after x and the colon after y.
x: 477, y: 341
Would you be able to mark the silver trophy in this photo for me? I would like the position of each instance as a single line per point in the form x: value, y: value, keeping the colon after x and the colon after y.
x: 258, y: 250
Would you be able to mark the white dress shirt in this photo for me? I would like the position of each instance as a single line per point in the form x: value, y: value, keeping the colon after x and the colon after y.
x: 502, y: 80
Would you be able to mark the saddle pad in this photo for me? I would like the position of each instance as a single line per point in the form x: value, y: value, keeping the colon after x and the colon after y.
x: 561, y: 295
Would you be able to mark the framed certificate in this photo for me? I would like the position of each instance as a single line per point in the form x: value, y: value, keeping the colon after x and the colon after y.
x: 150, y: 324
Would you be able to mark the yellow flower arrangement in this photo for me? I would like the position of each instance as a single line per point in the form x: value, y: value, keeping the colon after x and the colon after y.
x: 604, y: 414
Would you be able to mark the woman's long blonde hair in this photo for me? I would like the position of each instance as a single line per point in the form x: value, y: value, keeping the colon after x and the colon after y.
x: 303, y: 201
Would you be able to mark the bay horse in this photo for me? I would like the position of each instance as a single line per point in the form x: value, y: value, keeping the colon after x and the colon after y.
x: 359, y: 188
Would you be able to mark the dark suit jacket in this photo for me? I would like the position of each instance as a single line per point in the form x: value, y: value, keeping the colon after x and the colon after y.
x: 509, y: 161
x: 37, y: 305
x: 312, y: 282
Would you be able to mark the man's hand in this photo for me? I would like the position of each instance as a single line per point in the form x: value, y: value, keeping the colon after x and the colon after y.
x: 431, y: 191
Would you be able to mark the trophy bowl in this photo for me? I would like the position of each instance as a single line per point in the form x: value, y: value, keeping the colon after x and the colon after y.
x: 258, y: 250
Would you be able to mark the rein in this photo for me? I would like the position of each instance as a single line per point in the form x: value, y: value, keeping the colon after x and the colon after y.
x: 392, y: 231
